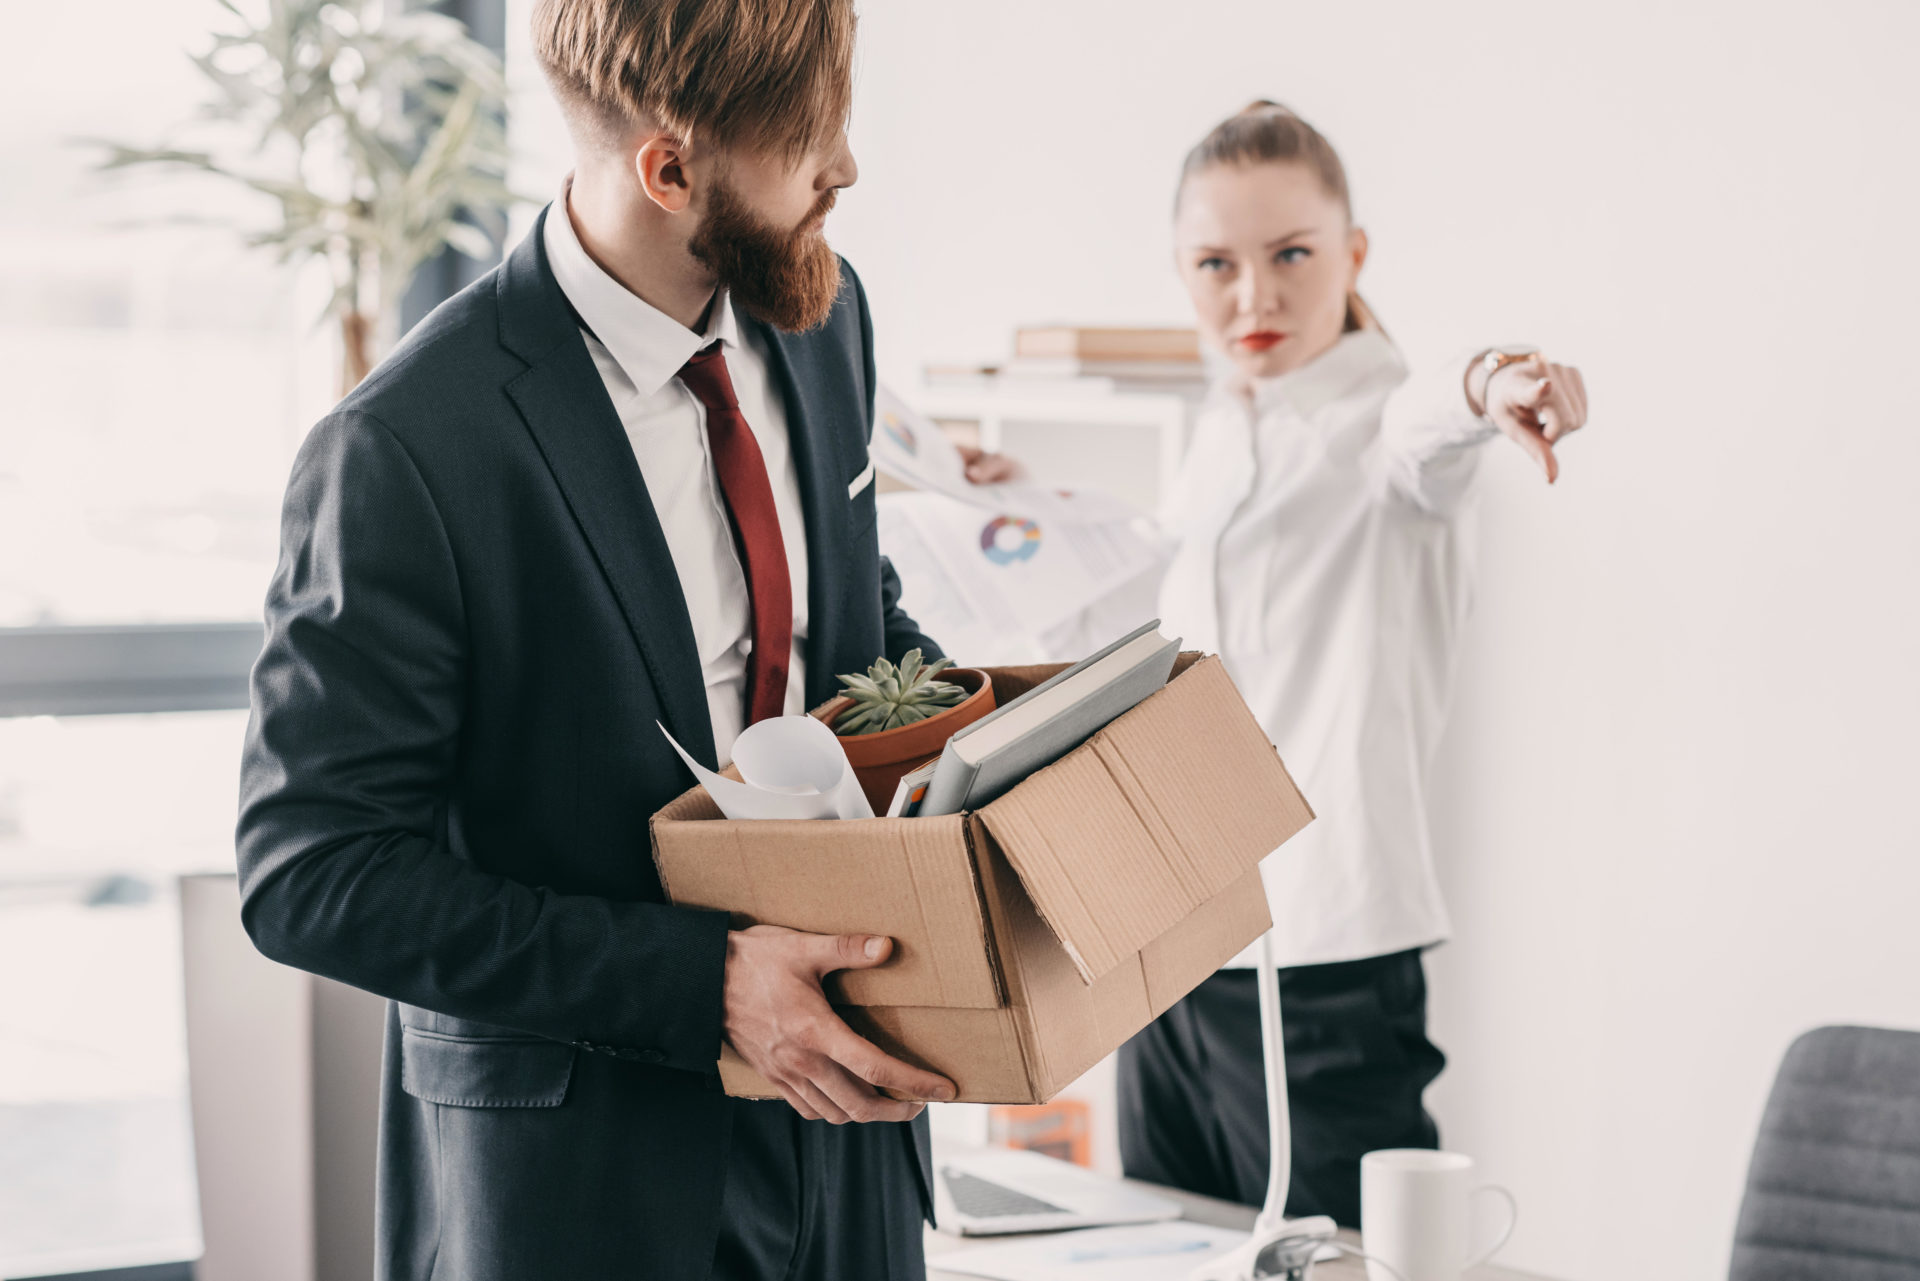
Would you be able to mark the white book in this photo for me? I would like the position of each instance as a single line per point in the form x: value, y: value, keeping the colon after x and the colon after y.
x: 989, y: 756
x: 910, y: 791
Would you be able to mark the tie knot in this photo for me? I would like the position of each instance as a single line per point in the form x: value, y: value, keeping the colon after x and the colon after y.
x: 706, y: 377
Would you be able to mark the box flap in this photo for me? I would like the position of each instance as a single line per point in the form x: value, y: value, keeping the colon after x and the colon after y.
x: 910, y: 879
x: 1156, y: 814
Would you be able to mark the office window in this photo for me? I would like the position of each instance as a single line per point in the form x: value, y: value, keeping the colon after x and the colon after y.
x: 159, y: 378
x: 159, y: 373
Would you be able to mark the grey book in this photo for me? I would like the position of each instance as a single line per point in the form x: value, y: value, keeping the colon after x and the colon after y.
x: 1036, y: 729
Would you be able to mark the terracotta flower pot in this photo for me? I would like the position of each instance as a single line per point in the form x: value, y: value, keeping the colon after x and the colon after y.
x: 881, y: 760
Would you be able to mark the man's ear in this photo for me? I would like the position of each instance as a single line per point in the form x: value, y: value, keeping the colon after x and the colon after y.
x: 660, y: 164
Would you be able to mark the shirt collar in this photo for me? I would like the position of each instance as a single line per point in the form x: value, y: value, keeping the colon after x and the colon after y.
x: 1355, y: 361
x: 649, y: 345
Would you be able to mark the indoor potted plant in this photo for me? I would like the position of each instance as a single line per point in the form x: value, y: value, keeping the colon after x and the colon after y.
x: 894, y: 719
x: 379, y: 132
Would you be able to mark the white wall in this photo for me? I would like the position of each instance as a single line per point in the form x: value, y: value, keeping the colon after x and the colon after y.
x: 1674, y: 816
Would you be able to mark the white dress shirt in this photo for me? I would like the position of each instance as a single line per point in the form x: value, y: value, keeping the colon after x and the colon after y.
x: 1321, y: 552
x: 639, y: 350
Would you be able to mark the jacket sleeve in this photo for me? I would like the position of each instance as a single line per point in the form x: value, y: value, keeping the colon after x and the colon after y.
x: 350, y: 757
x: 1430, y: 440
x: 902, y: 633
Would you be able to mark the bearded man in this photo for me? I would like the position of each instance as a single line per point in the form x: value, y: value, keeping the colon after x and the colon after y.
x: 622, y: 479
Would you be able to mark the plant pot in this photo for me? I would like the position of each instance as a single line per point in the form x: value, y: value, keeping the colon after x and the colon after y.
x: 881, y: 760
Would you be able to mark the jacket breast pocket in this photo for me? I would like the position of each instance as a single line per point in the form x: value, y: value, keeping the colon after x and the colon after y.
x: 484, y: 1071
x: 862, y: 491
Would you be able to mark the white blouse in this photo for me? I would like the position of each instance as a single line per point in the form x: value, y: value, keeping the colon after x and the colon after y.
x: 1322, y: 549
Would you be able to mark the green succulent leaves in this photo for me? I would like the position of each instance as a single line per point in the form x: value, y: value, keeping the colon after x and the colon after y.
x: 888, y: 697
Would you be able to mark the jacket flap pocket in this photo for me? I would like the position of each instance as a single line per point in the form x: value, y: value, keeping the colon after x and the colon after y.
x: 484, y: 1072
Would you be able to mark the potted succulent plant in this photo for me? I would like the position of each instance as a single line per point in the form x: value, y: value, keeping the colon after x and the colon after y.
x: 894, y: 719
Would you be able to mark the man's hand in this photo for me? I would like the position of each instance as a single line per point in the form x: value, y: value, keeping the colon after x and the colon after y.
x: 990, y: 469
x: 778, y: 1020
x: 1536, y: 404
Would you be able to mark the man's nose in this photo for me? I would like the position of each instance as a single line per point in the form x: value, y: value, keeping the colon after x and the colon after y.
x: 844, y: 171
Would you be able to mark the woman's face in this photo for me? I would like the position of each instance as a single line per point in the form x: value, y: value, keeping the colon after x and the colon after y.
x: 1268, y: 259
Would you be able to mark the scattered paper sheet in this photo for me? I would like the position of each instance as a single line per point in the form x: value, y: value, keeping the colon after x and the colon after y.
x: 790, y: 767
x: 911, y: 448
x: 992, y: 586
x: 1140, y: 1252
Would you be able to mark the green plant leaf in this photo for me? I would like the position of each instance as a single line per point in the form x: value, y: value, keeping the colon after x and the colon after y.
x: 855, y: 722
x: 860, y: 684
x: 381, y: 135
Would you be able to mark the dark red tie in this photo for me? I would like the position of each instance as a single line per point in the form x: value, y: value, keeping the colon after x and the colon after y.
x: 749, y: 495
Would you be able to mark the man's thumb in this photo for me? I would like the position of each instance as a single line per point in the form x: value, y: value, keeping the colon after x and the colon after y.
x: 852, y: 951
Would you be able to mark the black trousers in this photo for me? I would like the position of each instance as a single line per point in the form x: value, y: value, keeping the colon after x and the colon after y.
x: 1193, y: 1091
x: 809, y: 1201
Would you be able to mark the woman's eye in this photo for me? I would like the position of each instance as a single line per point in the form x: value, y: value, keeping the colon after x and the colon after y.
x: 1213, y: 264
x: 1293, y: 253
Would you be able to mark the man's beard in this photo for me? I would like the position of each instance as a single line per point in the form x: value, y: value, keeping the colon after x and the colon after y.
x: 787, y: 278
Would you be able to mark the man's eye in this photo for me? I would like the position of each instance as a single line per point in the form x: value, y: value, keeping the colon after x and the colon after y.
x: 1293, y: 253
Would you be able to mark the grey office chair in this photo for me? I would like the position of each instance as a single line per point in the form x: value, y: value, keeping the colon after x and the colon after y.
x: 1834, y: 1189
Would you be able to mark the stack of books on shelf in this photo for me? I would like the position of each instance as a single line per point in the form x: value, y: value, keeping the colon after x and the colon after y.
x: 1087, y: 357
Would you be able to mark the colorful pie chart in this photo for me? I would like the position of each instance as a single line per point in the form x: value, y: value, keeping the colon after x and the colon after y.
x: 1007, y: 540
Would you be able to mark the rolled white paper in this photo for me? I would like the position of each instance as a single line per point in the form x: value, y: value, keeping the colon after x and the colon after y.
x: 790, y: 767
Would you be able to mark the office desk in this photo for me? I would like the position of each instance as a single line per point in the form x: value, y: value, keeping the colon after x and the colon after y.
x: 1222, y: 1214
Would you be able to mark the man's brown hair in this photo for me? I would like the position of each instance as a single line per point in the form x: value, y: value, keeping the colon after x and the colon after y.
x: 771, y: 74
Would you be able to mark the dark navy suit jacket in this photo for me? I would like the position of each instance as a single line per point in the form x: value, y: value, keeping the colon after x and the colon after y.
x: 474, y: 624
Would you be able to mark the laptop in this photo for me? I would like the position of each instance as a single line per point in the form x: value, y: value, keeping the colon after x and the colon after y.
x: 997, y: 1191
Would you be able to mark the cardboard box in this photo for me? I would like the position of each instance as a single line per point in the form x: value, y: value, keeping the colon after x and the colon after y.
x: 1034, y: 936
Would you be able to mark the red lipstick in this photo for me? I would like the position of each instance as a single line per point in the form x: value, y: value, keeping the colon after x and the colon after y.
x: 1262, y: 340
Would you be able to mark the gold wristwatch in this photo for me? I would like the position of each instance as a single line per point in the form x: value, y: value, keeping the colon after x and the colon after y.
x: 1491, y: 362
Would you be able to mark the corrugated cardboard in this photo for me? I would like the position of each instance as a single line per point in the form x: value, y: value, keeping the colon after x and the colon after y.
x: 1032, y: 937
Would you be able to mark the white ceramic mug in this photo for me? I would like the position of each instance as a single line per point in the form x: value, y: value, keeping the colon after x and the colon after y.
x: 1414, y: 1215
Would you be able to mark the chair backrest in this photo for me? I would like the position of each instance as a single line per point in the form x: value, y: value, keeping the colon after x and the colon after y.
x: 1834, y: 1189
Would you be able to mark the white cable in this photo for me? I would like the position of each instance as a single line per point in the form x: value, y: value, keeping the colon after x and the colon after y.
x: 1279, y: 1123
x: 1344, y: 1248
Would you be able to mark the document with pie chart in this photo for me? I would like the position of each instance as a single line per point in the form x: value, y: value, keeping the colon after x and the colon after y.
x: 1003, y: 574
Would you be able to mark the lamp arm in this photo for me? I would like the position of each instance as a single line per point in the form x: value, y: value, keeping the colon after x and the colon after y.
x: 1279, y: 1123
x: 1275, y: 1249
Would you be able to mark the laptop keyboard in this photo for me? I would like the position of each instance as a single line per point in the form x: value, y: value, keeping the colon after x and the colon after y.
x: 983, y: 1200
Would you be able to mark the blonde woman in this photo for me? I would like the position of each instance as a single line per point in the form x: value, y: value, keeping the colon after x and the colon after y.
x: 1321, y: 552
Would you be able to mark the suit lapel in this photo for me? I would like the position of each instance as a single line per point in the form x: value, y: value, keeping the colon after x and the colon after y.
x: 805, y: 391
x: 573, y: 422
